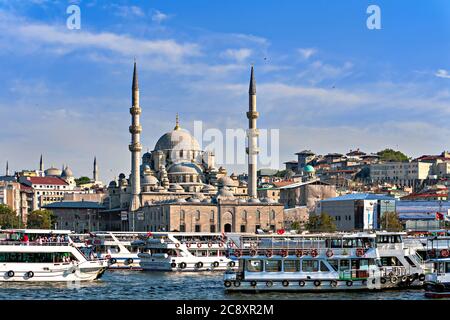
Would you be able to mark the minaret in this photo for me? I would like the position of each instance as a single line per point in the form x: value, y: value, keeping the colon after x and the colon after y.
x: 7, y: 169
x: 252, y: 134
x: 95, y: 172
x: 135, y: 146
x: 41, y: 164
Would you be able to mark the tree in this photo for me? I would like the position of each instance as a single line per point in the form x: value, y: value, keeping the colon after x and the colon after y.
x: 392, y: 155
x: 41, y: 219
x: 82, y: 180
x: 8, y: 218
x: 322, y: 223
x: 391, y: 222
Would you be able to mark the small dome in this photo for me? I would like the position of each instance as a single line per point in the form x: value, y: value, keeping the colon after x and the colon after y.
x: 175, y: 187
x: 149, y: 180
x: 192, y: 199
x: 67, y: 173
x: 209, y: 189
x: 206, y: 200
x: 123, y: 182
x: 160, y: 189
x: 52, y: 172
x: 253, y: 200
x: 122, y: 176
x: 180, y: 200
x: 309, y: 169
x: 113, y: 184
x: 225, y: 193
x: 226, y: 182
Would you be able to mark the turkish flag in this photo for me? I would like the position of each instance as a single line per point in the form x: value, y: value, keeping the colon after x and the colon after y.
x: 149, y: 234
x: 439, y: 216
x: 280, y: 231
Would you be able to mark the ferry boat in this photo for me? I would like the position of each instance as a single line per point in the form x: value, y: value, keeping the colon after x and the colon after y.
x: 400, y: 258
x: 116, y: 248
x: 313, y: 262
x: 45, y: 255
x: 437, y: 284
x: 180, y: 251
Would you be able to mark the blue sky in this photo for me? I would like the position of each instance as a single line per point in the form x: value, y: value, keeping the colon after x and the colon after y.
x: 325, y: 80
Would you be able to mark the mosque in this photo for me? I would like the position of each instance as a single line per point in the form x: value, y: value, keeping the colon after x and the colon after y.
x: 178, y: 187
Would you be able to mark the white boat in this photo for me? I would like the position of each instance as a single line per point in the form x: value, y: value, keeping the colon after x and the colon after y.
x: 45, y: 255
x: 116, y: 248
x: 180, y: 251
x: 313, y: 262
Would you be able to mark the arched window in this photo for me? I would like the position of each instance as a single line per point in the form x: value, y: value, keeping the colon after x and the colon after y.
x: 272, y: 215
x: 258, y: 215
x: 197, y: 215
x: 211, y: 215
x: 244, y: 215
x: 182, y: 215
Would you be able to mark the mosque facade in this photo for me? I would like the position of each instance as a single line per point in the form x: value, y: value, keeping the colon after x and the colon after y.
x: 178, y: 187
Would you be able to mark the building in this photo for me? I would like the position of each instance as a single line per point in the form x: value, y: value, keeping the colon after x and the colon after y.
x: 81, y: 216
x: 357, y: 211
x: 411, y: 174
x: 177, y: 179
x: 422, y: 215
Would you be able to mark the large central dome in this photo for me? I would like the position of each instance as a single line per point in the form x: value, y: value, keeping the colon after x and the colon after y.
x: 178, y: 139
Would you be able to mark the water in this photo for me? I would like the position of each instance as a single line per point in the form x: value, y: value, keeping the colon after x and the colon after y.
x: 136, y: 285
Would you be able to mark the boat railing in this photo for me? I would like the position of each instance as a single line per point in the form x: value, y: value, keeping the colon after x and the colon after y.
x: 389, y: 271
x: 33, y: 243
x: 297, y: 251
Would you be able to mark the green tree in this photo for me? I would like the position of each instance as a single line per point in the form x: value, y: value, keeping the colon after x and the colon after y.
x: 322, y: 223
x: 296, y: 226
x: 8, y: 218
x: 391, y: 222
x: 41, y: 219
x: 82, y: 180
x: 392, y: 155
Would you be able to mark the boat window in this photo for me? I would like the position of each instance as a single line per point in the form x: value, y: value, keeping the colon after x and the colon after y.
x: 363, y: 264
x: 202, y: 253
x: 323, y: 267
x: 272, y: 265
x: 334, y: 243
x: 441, y: 267
x: 37, y: 257
x: 291, y: 265
x: 213, y: 253
x: 254, y: 265
x: 310, y: 265
x: 344, y: 265
x: 334, y: 264
x: 447, y: 267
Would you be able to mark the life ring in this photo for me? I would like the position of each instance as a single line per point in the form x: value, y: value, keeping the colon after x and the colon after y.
x: 253, y: 283
x: 199, y: 245
x: 210, y: 244
x: 183, y: 265
x: 333, y: 283
x: 227, y: 283
x: 314, y: 253
x: 188, y: 244
x: 301, y: 283
x: 231, y: 245
x: 199, y: 265
x: 349, y: 283
x: 445, y: 253
x: 298, y: 253
x: 253, y: 252
x: 422, y: 277
x: 383, y: 280
x: 237, y: 253
x: 108, y: 256
x: 112, y: 261
x: 30, y: 274
x: 177, y: 245
x: 221, y: 244
x: 329, y: 253
x: 404, y: 278
x: 215, y: 264
x: 269, y: 253
x: 285, y: 283
x: 173, y: 265
x: 284, y: 253
x: 317, y: 283
x: 269, y: 283
x: 129, y: 261
x: 231, y: 264
x: 237, y: 283
x: 394, y: 279
x: 359, y: 252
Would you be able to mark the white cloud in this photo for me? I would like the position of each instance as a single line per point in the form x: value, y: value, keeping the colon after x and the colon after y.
x: 127, y: 11
x: 159, y: 17
x: 306, y: 53
x: 441, y: 73
x: 240, y: 55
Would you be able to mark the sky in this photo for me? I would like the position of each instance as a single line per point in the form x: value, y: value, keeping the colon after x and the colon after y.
x: 324, y: 79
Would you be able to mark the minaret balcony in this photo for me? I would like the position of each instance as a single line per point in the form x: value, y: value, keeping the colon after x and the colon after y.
x: 135, y: 129
x: 252, y: 115
x: 135, y: 110
x: 135, y: 147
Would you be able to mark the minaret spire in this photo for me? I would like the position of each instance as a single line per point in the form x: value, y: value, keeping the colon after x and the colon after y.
x: 7, y: 169
x: 95, y: 171
x: 177, y: 123
x: 135, y: 146
x: 41, y: 164
x: 252, y: 135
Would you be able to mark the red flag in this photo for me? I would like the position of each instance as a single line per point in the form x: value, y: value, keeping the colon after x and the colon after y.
x: 439, y: 216
x: 280, y: 231
x: 149, y: 234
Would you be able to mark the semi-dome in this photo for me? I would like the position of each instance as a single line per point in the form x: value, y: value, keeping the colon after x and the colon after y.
x: 178, y: 139
x: 309, y: 169
x: 53, y: 172
x: 185, y: 167
x: 149, y: 180
x: 175, y: 187
x: 208, y: 188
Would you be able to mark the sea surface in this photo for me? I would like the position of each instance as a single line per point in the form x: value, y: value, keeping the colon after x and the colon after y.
x: 140, y: 285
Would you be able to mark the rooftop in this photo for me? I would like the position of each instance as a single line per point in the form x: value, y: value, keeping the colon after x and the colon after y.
x: 75, y: 205
x: 360, y: 196
x: 45, y: 180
